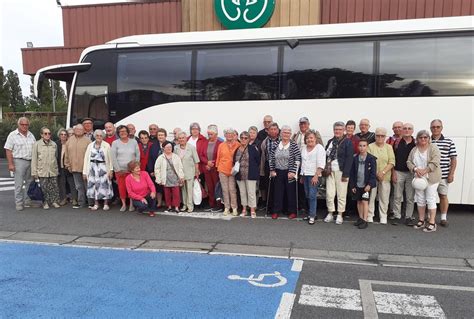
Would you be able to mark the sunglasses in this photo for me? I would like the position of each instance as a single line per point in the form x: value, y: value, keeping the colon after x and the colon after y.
x: 436, y: 127
x: 47, y: 133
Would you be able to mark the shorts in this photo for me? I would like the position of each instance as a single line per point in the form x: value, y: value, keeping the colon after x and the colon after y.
x: 359, y: 194
x: 443, y: 187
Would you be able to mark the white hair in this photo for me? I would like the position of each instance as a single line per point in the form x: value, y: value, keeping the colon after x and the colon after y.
x: 99, y: 131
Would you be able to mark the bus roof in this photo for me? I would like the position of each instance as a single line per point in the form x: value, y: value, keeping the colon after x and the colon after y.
x: 464, y: 23
x: 321, y: 31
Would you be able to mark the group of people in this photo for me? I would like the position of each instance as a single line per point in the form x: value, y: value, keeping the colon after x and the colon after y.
x: 271, y: 168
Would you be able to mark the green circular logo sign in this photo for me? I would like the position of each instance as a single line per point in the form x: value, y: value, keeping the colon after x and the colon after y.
x: 243, y: 14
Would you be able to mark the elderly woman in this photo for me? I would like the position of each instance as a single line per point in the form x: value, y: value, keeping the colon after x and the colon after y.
x: 190, y: 160
x: 224, y: 163
x: 339, y: 157
x: 141, y: 189
x: 98, y: 171
x: 248, y: 158
x: 124, y: 150
x: 65, y: 177
x: 45, y: 167
x: 385, y: 162
x: 424, y: 162
x: 169, y: 173
x: 70, y: 132
x: 313, y: 159
x: 253, y: 137
x: 196, y: 138
x: 284, y: 161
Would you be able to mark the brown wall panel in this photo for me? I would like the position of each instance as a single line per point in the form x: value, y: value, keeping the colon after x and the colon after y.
x: 377, y: 10
x: 97, y: 24
x: 37, y: 58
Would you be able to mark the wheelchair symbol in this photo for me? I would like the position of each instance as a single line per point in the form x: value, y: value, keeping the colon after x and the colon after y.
x: 258, y: 281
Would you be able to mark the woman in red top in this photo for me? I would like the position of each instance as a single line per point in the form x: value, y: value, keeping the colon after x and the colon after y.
x: 141, y: 189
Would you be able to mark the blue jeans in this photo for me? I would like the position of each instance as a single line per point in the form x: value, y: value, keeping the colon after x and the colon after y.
x: 311, y: 192
x: 141, y: 207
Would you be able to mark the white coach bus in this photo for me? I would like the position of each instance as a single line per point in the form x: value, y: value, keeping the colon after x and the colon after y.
x: 408, y: 70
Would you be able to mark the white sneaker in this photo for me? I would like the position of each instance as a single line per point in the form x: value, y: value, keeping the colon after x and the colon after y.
x: 131, y: 208
x: 370, y: 219
x: 56, y: 205
x: 383, y: 221
x: 329, y: 218
x: 235, y: 212
x: 106, y: 207
x: 226, y: 212
x: 339, y: 220
x: 45, y: 206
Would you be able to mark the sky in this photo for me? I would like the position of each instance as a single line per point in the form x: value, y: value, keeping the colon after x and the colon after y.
x: 37, y: 21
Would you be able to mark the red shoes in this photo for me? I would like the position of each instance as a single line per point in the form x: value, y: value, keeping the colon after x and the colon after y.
x: 292, y: 216
x: 274, y: 216
x: 151, y: 214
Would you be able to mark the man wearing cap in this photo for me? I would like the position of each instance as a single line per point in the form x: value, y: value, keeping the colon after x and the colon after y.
x: 262, y: 134
x: 88, y: 125
x: 448, y: 164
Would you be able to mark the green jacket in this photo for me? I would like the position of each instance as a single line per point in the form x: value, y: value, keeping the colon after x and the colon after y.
x: 43, y: 160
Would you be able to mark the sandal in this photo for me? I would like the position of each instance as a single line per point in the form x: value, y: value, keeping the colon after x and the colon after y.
x: 253, y: 214
x: 243, y: 214
x: 419, y: 225
x: 429, y: 228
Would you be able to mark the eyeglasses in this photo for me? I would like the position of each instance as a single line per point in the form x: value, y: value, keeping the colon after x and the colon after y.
x: 438, y: 127
x: 244, y: 138
x: 423, y: 137
x: 24, y: 124
x: 379, y: 135
x: 63, y: 134
x: 46, y: 133
x: 408, y: 128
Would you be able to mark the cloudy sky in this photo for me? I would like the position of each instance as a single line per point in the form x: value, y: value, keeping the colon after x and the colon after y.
x: 37, y: 21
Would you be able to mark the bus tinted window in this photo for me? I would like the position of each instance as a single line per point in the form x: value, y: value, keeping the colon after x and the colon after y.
x: 93, y: 88
x: 425, y: 67
x: 328, y: 70
x: 248, y: 73
x: 149, y: 78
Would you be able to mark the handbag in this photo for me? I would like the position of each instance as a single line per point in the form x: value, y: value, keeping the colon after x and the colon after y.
x: 174, y: 170
x: 236, y: 167
x: 35, y: 192
x: 197, y: 193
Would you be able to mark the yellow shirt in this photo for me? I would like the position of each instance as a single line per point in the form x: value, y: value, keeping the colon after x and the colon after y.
x: 384, y: 157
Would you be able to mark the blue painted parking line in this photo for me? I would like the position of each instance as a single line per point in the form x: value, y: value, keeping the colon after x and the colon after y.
x: 58, y: 281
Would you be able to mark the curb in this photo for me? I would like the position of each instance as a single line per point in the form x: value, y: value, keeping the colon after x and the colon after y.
x: 326, y: 256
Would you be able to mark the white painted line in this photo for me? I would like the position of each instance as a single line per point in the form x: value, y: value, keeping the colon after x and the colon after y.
x: 368, y: 301
x: 6, y: 179
x: 286, y: 305
x: 4, y: 189
x: 247, y: 255
x: 337, y: 261
x: 7, y: 183
x: 16, y: 241
x: 198, y: 215
x: 408, y: 305
x: 297, y: 265
x: 416, y: 285
x: 467, y: 269
x: 328, y: 297
x: 157, y: 250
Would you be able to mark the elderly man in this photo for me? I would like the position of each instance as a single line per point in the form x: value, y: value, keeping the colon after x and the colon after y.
x: 153, y: 131
x: 402, y: 177
x: 397, y: 128
x: 74, y: 152
x: 339, y: 157
x: 364, y: 126
x: 88, y: 125
x: 262, y: 134
x: 110, y: 134
x: 448, y: 166
x: 18, y: 148
x: 132, y: 131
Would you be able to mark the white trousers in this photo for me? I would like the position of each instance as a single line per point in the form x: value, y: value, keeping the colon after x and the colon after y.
x: 334, y: 186
x: 382, y: 193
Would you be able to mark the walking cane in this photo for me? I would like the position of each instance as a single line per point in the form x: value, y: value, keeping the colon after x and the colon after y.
x: 268, y: 194
x: 296, y: 177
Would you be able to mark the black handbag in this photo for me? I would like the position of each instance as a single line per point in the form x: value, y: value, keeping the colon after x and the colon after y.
x: 35, y: 192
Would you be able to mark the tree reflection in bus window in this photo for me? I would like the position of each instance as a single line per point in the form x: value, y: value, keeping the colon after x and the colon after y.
x: 426, y: 67
x: 245, y: 73
x: 328, y: 70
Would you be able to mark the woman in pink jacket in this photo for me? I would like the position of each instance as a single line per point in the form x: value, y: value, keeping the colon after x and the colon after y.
x: 141, y: 189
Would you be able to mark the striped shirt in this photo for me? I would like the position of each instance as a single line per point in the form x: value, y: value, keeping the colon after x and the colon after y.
x: 448, y: 150
x: 20, y: 145
x: 294, y: 158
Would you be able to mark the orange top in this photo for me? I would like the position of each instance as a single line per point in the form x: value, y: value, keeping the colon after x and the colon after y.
x: 225, y: 157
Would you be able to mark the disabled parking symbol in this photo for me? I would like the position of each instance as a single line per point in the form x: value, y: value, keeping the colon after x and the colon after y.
x: 262, y: 280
